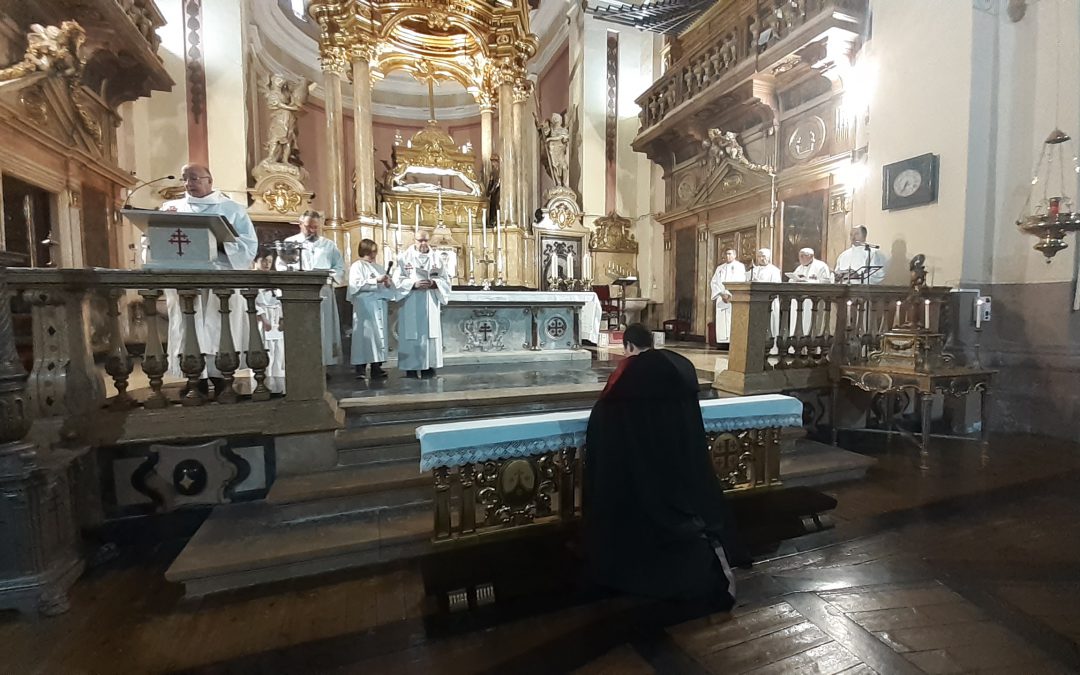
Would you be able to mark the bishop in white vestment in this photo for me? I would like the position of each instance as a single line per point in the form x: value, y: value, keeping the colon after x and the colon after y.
x: 863, y: 263
x: 201, y: 197
x: 420, y: 276
x: 731, y: 270
x: 370, y: 289
x: 319, y: 253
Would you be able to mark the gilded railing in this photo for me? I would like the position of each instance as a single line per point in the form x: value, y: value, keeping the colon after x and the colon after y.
x: 491, y: 477
x: 785, y: 336
x: 735, y: 41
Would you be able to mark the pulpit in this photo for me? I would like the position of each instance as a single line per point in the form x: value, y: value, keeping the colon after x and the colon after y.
x: 182, y: 240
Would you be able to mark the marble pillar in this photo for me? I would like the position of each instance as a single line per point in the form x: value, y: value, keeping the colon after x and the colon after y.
x: 508, y: 160
x: 334, y: 67
x: 487, y: 113
x: 526, y: 170
x: 364, y: 151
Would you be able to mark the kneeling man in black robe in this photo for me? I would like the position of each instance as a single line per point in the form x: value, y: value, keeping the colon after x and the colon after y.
x: 655, y: 520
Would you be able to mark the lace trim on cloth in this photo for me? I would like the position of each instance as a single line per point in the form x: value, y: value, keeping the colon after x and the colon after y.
x: 537, y: 446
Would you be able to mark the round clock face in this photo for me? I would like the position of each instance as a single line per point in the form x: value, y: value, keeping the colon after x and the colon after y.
x: 907, y: 183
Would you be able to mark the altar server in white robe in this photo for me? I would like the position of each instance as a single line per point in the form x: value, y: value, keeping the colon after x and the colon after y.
x: 810, y: 271
x: 201, y: 197
x: 863, y: 263
x: 319, y: 253
x: 765, y: 272
x: 420, y: 277
x: 268, y: 309
x: 370, y: 289
x: 731, y: 270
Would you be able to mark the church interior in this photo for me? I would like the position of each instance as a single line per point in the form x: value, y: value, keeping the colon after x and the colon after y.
x: 852, y: 217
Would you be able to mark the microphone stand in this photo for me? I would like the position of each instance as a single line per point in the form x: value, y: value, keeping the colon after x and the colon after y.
x: 127, y: 202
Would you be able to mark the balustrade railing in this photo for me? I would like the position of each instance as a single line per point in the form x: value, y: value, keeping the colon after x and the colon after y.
x: 785, y: 336
x: 65, y: 380
x: 739, y: 40
x: 495, y: 475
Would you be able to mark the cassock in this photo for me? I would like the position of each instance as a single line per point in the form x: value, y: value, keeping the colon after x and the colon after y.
x: 369, y: 324
x: 237, y: 255
x: 852, y: 263
x: 732, y: 271
x: 419, y: 319
x: 769, y: 274
x: 323, y: 254
x: 654, y: 511
x: 268, y: 307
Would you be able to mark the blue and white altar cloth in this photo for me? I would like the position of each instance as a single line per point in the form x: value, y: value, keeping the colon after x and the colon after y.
x: 477, y: 441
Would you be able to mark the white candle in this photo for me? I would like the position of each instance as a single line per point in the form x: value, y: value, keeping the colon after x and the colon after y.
x: 483, y: 234
x: 586, y: 266
x: 470, y: 229
x: 978, y: 313
x: 498, y: 228
x: 417, y: 229
x: 553, y: 272
x: 896, y: 321
x: 926, y: 314
x: 570, y: 265
x: 399, y: 216
x: 385, y: 222
x: 849, y: 317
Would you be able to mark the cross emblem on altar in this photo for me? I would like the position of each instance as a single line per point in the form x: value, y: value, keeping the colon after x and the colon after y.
x: 485, y: 329
x: 180, y: 239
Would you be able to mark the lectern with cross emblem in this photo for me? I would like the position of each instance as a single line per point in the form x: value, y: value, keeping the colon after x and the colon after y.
x: 188, y: 241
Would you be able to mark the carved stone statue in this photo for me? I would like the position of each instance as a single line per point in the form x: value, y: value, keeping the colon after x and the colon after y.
x: 50, y: 49
x: 721, y: 145
x: 284, y: 101
x: 555, y: 138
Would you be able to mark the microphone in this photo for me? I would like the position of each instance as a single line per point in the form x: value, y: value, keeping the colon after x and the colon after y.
x: 870, y: 246
x: 127, y: 202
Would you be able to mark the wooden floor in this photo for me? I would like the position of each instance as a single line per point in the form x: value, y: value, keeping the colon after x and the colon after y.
x: 956, y: 560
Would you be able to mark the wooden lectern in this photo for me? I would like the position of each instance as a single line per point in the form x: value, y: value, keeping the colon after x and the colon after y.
x: 182, y: 241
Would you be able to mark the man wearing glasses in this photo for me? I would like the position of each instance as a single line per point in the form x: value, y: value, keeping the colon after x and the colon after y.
x: 201, y: 197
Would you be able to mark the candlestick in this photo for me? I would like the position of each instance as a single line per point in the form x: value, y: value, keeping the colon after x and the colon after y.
x: 849, y: 322
x: 978, y: 313
x: 926, y: 315
x: 896, y: 321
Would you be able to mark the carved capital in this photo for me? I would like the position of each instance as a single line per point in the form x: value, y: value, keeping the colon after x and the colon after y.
x: 523, y: 89
x: 335, y: 60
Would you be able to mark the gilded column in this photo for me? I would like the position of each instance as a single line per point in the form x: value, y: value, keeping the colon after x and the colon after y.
x: 508, y: 175
x: 364, y: 144
x: 487, y: 113
x: 335, y: 66
x: 526, y: 178
x: 515, y: 223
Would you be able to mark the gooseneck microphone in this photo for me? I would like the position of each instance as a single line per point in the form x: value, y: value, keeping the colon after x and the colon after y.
x: 127, y: 202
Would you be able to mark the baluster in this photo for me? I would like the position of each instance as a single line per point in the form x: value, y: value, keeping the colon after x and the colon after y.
x: 800, y: 330
x: 257, y: 357
x: 467, y: 475
x: 154, y: 362
x: 118, y: 364
x: 813, y: 355
x: 227, y: 359
x: 770, y: 341
x: 192, y: 361
x: 827, y: 334
x: 783, y: 341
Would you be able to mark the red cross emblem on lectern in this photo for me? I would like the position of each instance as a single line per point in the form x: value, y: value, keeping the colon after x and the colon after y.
x: 179, y: 238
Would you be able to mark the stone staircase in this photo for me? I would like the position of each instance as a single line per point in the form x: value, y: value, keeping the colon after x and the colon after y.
x: 374, y: 507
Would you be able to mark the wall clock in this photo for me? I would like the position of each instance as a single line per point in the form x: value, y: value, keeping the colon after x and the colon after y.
x: 911, y: 182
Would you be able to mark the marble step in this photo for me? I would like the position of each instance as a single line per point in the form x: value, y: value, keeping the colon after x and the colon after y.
x: 243, y: 545
x: 810, y: 463
x: 380, y: 479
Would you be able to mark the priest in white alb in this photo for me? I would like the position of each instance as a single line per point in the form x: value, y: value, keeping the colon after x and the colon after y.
x: 317, y: 253
x: 863, y: 263
x: 201, y: 197
x: 421, y: 278
x: 765, y: 272
x: 730, y: 270
x: 810, y: 271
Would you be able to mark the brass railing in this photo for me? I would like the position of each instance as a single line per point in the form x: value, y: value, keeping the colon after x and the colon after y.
x: 738, y: 41
x: 785, y: 336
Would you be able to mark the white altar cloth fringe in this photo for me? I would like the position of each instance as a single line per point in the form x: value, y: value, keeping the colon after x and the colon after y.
x: 478, y: 441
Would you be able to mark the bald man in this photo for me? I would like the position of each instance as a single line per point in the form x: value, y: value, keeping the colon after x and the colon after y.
x: 201, y: 197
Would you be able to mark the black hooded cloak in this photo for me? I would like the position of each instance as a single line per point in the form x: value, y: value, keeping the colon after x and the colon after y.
x: 653, y: 507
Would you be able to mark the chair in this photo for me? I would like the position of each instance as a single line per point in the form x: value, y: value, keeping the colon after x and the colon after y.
x: 679, y: 327
x: 609, y: 311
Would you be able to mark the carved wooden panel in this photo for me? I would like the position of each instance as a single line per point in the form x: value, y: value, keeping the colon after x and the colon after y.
x: 803, y: 226
x: 685, y: 272
x: 744, y: 242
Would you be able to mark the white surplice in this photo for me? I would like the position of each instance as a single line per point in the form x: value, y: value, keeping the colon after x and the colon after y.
x: 238, y: 255
x: 769, y: 274
x: 323, y: 254
x: 370, y: 301
x: 728, y: 272
x: 817, y: 272
x: 268, y: 307
x: 853, y: 262
x: 419, y: 319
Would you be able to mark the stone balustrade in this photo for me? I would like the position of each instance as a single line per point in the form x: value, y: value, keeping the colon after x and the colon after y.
x: 491, y: 476
x: 786, y: 336
x: 736, y: 42
x: 65, y: 388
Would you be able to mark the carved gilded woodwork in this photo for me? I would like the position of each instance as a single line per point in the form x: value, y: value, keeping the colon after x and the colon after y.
x: 612, y: 234
x: 432, y: 151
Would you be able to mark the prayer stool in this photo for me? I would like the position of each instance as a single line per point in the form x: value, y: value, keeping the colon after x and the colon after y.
x: 609, y: 311
x: 679, y: 327
x: 711, y: 334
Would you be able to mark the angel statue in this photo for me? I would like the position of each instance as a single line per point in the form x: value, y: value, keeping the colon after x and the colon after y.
x: 284, y: 100
x: 555, y: 144
x: 725, y: 144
